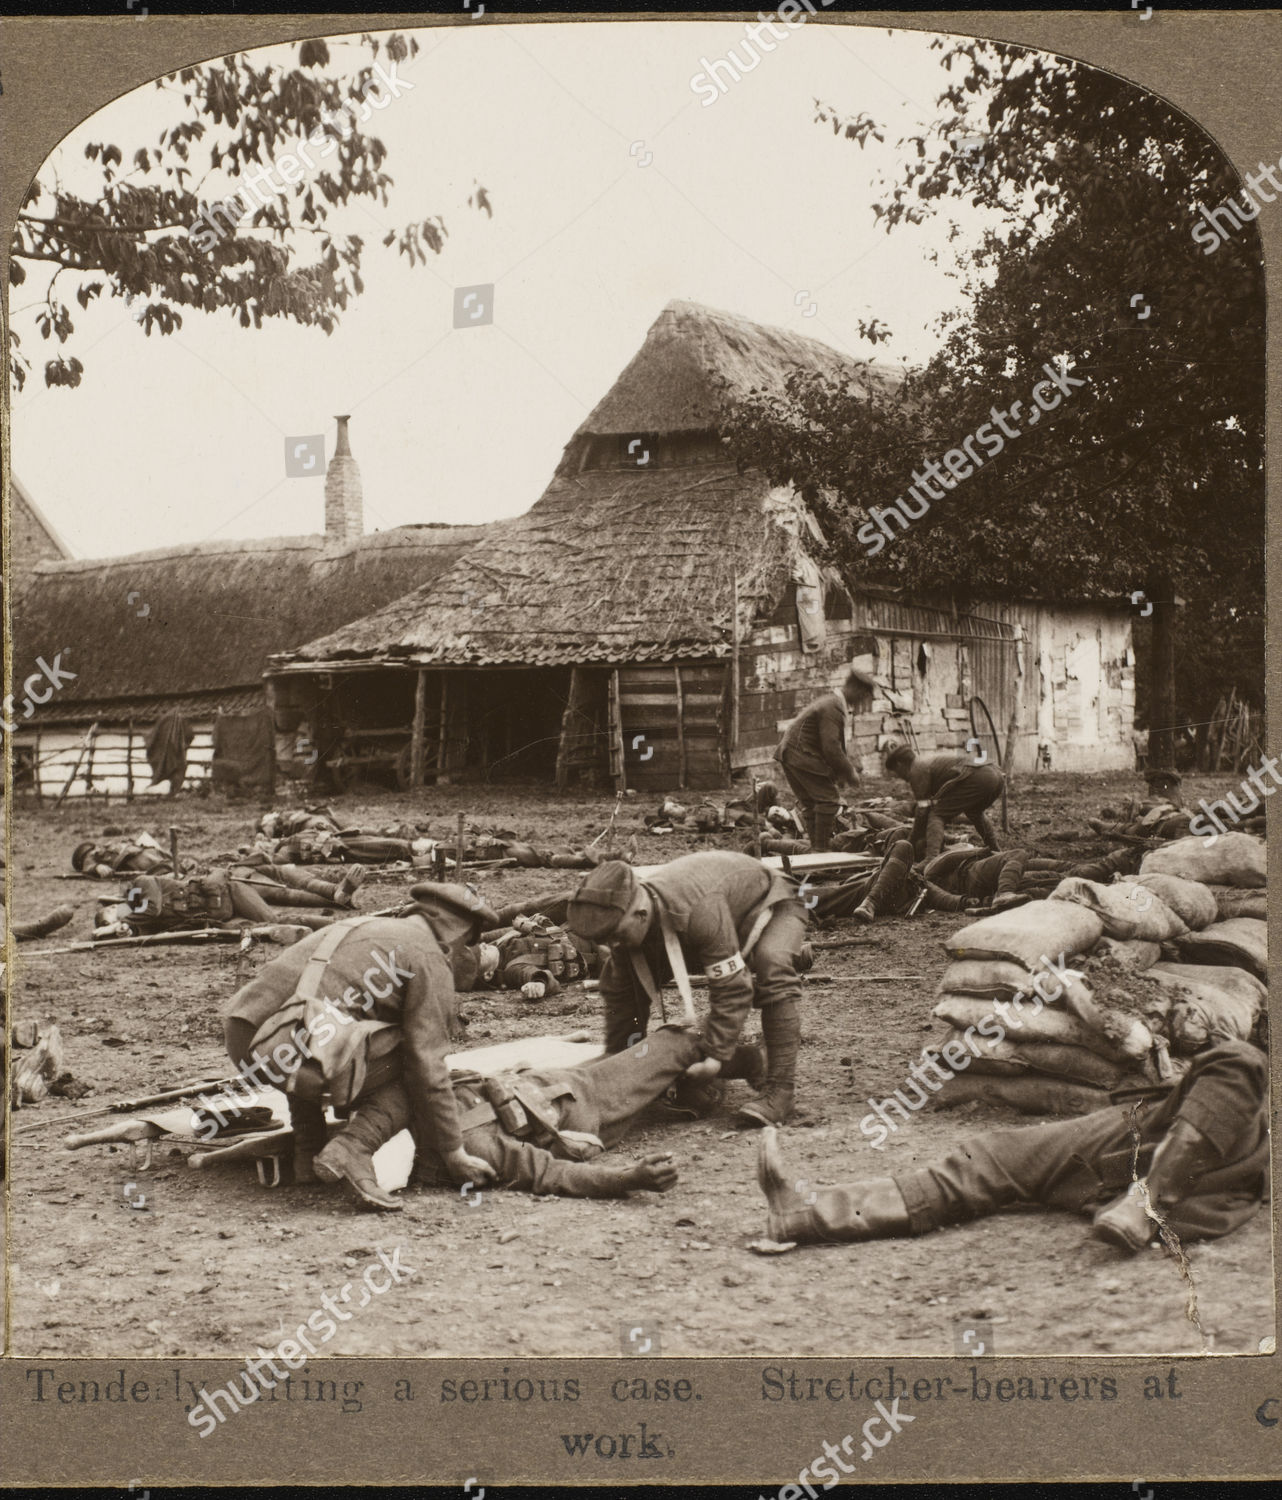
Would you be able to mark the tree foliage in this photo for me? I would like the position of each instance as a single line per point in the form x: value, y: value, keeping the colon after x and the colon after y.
x: 1149, y: 477
x: 140, y: 235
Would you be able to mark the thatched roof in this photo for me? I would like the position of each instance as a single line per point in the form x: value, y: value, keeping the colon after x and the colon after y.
x: 616, y: 563
x: 609, y: 566
x: 695, y: 357
x: 214, y: 613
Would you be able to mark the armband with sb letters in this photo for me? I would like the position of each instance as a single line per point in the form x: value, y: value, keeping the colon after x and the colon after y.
x: 726, y: 968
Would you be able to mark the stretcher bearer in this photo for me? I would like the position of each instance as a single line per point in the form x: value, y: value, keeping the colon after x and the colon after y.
x: 814, y: 759
x: 947, y: 784
x: 720, y: 914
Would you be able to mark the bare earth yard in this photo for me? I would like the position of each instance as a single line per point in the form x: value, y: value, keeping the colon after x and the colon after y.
x: 216, y: 1264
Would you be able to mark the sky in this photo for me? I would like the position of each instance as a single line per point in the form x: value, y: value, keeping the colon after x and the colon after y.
x: 615, y: 189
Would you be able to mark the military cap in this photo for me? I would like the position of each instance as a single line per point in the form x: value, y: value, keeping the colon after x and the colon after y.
x: 602, y: 900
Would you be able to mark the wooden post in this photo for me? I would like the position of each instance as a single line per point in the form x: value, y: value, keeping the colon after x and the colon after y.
x: 129, y: 762
x: 681, y: 727
x: 618, y: 765
x: 734, y: 676
x: 458, y: 852
x: 440, y: 739
x: 88, y: 740
x: 173, y: 851
x: 756, y: 821
x: 418, y: 744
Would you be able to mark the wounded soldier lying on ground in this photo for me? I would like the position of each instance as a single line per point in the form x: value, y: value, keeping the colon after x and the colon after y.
x: 314, y: 836
x: 375, y: 1046
x: 532, y: 956
x: 140, y: 854
x: 166, y: 903
x: 1204, y: 1153
x: 960, y: 880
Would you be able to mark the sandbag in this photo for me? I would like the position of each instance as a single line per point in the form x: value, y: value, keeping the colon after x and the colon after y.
x: 1029, y: 1095
x: 1131, y: 953
x: 1243, y: 941
x: 1077, y: 1064
x: 1222, y: 859
x: 1049, y: 1024
x: 1232, y: 901
x: 1030, y: 934
x: 1208, y: 1002
x: 1000, y: 978
x: 1192, y: 902
x: 1126, y: 910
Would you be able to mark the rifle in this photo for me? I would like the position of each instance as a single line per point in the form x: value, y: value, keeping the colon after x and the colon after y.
x: 132, y: 1106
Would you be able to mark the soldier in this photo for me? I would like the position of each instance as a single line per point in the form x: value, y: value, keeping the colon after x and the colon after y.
x: 960, y: 880
x: 946, y: 784
x: 141, y: 854
x: 541, y: 1130
x: 1204, y: 1149
x: 369, y: 1004
x: 814, y: 759
x: 166, y: 903
x: 719, y: 913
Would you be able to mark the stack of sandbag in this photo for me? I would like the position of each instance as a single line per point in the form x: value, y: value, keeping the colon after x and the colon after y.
x: 1059, y: 1051
x: 1236, y: 859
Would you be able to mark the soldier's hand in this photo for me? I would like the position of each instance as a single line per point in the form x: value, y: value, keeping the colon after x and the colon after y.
x: 464, y: 1167
x: 535, y: 989
x: 656, y: 1173
x: 706, y: 1067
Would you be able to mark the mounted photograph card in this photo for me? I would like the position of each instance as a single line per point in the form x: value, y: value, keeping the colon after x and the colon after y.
x: 636, y: 749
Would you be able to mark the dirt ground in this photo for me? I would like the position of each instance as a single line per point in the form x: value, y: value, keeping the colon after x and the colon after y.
x: 216, y: 1264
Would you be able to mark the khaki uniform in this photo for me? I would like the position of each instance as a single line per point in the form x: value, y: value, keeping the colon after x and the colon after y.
x: 714, y: 902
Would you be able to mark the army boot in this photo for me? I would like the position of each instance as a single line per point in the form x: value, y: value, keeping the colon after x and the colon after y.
x: 869, y: 1210
x: 1131, y: 1221
x: 781, y: 1029
x: 310, y: 1134
x: 376, y: 1118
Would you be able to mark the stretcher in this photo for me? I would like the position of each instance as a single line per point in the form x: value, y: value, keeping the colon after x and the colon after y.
x: 271, y: 1146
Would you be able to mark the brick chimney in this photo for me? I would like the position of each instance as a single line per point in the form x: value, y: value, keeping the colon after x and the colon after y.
x: 344, y: 512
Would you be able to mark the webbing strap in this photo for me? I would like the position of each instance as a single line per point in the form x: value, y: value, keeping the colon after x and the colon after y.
x: 310, y: 978
x: 679, y: 971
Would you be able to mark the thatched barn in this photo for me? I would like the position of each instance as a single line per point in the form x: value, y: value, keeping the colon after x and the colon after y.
x: 191, y: 628
x: 657, y: 618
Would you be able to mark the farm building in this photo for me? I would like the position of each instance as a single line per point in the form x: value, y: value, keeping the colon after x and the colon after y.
x: 32, y: 538
x: 190, y: 629
x: 657, y: 618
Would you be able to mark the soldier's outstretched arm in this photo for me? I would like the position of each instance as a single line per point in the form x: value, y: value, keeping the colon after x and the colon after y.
x: 530, y: 1169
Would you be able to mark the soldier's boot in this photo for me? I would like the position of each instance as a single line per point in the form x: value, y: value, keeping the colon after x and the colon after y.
x: 42, y: 926
x: 1008, y: 892
x: 935, y: 833
x: 376, y: 1118
x: 781, y: 1030
x: 869, y: 1210
x: 820, y: 827
x: 748, y: 1062
x: 1131, y: 1221
x: 696, y: 1098
x: 308, y: 1120
x: 889, y: 883
x: 353, y: 878
x: 984, y: 828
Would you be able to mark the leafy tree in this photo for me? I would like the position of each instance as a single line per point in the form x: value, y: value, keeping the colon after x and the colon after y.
x: 1148, y: 475
x: 151, y: 232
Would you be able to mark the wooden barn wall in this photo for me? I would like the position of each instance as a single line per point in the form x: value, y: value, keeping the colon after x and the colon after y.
x: 668, y: 743
x: 1063, y: 673
x: 106, y: 770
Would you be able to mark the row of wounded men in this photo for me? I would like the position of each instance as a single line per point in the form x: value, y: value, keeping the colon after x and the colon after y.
x: 360, y: 1016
